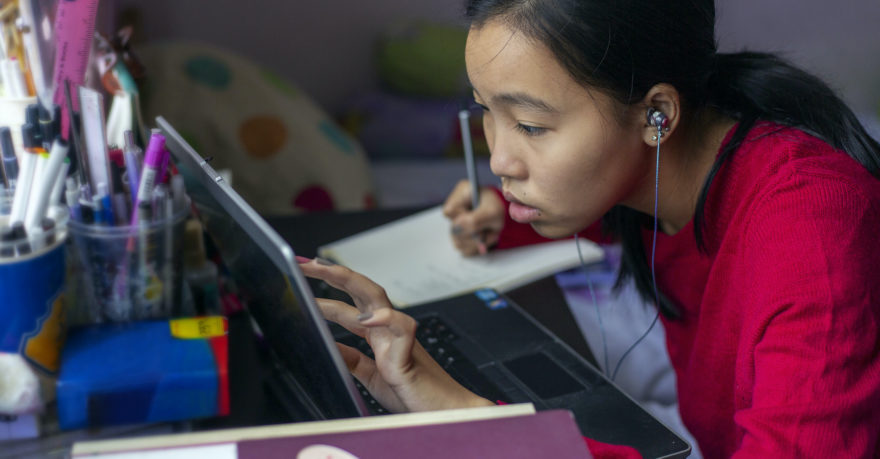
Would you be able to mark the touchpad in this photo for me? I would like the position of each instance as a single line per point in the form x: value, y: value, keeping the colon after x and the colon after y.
x: 543, y: 376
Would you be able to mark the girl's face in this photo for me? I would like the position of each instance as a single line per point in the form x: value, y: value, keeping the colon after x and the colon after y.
x: 562, y: 152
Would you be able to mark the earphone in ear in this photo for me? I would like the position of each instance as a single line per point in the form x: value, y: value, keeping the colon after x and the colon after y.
x: 659, y: 120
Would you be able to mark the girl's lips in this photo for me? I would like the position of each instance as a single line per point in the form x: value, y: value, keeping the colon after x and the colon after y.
x: 520, y: 212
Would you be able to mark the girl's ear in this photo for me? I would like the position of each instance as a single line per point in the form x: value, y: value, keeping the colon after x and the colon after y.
x: 663, y: 108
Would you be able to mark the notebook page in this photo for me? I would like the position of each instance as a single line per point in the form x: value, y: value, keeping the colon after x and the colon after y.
x: 415, y: 260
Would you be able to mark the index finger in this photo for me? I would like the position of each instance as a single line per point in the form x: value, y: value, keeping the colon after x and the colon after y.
x: 366, y: 294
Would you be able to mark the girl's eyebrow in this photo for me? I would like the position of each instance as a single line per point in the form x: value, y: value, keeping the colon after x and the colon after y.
x: 521, y: 100
x: 525, y: 102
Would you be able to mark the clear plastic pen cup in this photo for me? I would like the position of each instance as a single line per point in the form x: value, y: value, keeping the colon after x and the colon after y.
x: 125, y: 273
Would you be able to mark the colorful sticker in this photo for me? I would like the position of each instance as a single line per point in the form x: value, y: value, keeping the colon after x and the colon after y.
x: 486, y: 294
x: 43, y: 349
x: 198, y: 327
x: 491, y: 298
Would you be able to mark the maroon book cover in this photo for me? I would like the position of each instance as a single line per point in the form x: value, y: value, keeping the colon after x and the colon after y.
x: 544, y: 434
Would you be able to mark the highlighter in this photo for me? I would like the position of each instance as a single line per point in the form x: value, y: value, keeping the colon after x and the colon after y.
x: 152, y: 162
x: 25, y: 175
x: 43, y: 185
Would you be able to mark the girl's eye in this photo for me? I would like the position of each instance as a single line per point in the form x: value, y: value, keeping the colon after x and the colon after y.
x: 530, y: 130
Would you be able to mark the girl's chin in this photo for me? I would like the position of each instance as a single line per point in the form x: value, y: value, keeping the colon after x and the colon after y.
x: 552, y: 230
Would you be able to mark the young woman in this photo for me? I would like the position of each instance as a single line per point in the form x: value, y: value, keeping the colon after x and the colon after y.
x: 744, y: 193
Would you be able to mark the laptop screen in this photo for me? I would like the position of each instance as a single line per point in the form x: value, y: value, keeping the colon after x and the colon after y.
x: 271, y: 285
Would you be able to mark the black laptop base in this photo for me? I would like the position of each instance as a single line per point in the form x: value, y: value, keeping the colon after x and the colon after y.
x: 499, y: 352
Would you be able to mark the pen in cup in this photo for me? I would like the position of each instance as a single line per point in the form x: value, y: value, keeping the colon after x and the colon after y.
x: 10, y: 162
x: 58, y: 188
x: 71, y: 197
x: 43, y: 184
x: 131, y: 155
x: 97, y: 206
x: 152, y: 162
x: 25, y: 176
x: 168, y: 291
x: 106, y: 204
x: 82, y: 162
x: 178, y: 193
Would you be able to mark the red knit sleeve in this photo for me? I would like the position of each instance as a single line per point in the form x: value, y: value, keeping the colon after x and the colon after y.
x: 515, y: 234
x: 807, y: 287
x: 601, y: 450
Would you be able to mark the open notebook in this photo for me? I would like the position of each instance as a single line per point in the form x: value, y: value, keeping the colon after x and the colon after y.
x: 415, y: 261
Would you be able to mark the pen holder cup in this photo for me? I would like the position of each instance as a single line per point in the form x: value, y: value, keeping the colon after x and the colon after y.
x: 12, y: 115
x: 126, y: 273
x: 32, y: 313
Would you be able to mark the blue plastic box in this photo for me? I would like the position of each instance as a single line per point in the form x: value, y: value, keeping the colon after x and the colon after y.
x: 139, y: 372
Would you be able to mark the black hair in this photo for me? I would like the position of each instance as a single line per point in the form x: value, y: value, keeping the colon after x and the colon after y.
x: 625, y: 47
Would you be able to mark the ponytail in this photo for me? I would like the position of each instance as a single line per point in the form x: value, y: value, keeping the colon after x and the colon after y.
x: 751, y: 86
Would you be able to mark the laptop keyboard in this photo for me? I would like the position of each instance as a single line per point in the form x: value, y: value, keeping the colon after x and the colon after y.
x: 438, y: 338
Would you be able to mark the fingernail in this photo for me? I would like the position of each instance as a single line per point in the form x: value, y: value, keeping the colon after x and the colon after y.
x: 456, y: 230
x: 365, y: 316
x: 324, y: 261
x: 301, y: 260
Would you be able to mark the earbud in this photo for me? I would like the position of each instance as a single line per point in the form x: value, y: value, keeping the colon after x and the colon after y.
x: 657, y: 118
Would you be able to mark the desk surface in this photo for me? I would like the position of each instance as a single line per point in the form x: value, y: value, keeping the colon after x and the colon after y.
x: 250, y: 368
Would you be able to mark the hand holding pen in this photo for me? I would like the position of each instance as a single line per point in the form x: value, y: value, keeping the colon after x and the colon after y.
x: 474, y: 231
x: 475, y: 227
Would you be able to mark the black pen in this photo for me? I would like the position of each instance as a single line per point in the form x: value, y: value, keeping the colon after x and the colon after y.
x: 6, y: 238
x: 20, y: 234
x: 10, y: 162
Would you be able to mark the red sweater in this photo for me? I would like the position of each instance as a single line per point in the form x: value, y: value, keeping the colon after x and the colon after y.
x: 777, y: 352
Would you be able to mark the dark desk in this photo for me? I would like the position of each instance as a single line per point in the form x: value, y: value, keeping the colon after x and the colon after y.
x: 251, y: 369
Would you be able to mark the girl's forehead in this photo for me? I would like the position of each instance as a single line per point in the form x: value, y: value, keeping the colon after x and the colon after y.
x: 506, y: 67
x: 495, y: 43
x: 498, y: 56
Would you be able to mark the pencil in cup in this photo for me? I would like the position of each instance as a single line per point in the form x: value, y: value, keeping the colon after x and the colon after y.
x: 112, y: 280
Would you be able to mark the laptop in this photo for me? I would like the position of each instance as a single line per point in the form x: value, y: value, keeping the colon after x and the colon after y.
x: 483, y: 339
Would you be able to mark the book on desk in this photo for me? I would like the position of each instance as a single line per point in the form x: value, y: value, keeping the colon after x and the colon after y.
x: 497, y: 431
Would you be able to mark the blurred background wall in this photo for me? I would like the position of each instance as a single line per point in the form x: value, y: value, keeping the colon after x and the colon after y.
x: 390, y: 106
x: 326, y: 46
